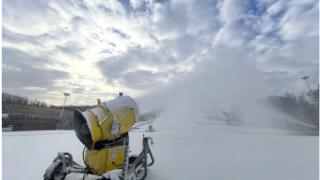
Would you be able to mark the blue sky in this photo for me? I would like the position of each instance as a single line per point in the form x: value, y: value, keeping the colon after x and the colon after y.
x: 98, y: 48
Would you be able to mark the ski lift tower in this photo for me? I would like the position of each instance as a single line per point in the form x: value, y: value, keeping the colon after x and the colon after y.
x: 66, y: 94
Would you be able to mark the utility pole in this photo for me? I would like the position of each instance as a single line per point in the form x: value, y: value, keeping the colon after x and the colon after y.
x: 66, y: 94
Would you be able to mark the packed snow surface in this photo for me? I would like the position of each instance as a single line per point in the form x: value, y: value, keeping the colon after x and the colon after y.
x: 191, y: 150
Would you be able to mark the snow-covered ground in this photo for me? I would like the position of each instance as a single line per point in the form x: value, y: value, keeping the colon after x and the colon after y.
x: 191, y: 150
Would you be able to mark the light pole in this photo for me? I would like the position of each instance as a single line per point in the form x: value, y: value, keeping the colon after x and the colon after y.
x: 66, y: 94
x: 305, y: 78
x: 311, y: 94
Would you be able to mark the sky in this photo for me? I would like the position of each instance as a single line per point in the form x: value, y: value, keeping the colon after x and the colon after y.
x: 95, y: 49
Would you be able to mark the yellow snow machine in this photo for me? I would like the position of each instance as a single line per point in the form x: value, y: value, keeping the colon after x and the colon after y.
x: 104, y: 132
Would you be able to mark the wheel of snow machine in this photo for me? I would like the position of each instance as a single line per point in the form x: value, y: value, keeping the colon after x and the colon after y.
x: 58, y: 168
x: 53, y: 172
x: 139, y: 171
x: 132, y: 158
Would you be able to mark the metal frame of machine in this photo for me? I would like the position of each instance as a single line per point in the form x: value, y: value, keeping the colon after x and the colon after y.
x: 135, y: 167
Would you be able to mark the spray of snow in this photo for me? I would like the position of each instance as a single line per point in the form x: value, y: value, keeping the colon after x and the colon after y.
x: 225, y: 86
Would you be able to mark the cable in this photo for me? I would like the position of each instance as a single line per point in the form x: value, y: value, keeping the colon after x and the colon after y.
x: 84, y: 148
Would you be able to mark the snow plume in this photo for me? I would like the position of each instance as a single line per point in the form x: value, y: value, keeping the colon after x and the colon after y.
x: 224, y: 87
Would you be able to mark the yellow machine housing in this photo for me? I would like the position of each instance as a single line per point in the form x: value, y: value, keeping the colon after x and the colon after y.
x: 104, y: 131
x: 106, y: 159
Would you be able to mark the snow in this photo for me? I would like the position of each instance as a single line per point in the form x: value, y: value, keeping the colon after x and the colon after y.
x: 208, y: 155
x: 30, y: 153
x: 183, y: 149
x: 186, y: 148
x: 120, y: 101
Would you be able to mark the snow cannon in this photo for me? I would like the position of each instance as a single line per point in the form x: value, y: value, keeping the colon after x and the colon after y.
x: 106, y: 125
x: 103, y: 130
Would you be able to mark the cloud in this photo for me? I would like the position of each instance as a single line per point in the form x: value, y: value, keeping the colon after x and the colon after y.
x: 136, y: 3
x: 140, y: 45
x: 71, y: 48
x: 172, y: 19
x: 22, y: 71
x: 300, y: 21
x: 142, y: 79
x: 294, y: 60
x: 39, y: 14
x: 138, y: 68
x: 120, y: 33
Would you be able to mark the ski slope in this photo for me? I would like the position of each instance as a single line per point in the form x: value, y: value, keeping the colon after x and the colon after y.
x: 192, y: 149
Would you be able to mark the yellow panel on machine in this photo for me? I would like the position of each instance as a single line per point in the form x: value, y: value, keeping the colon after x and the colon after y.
x: 106, y: 159
x: 104, y: 131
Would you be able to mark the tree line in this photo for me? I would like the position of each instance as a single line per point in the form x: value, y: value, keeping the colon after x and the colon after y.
x: 304, y: 107
x: 15, y: 99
